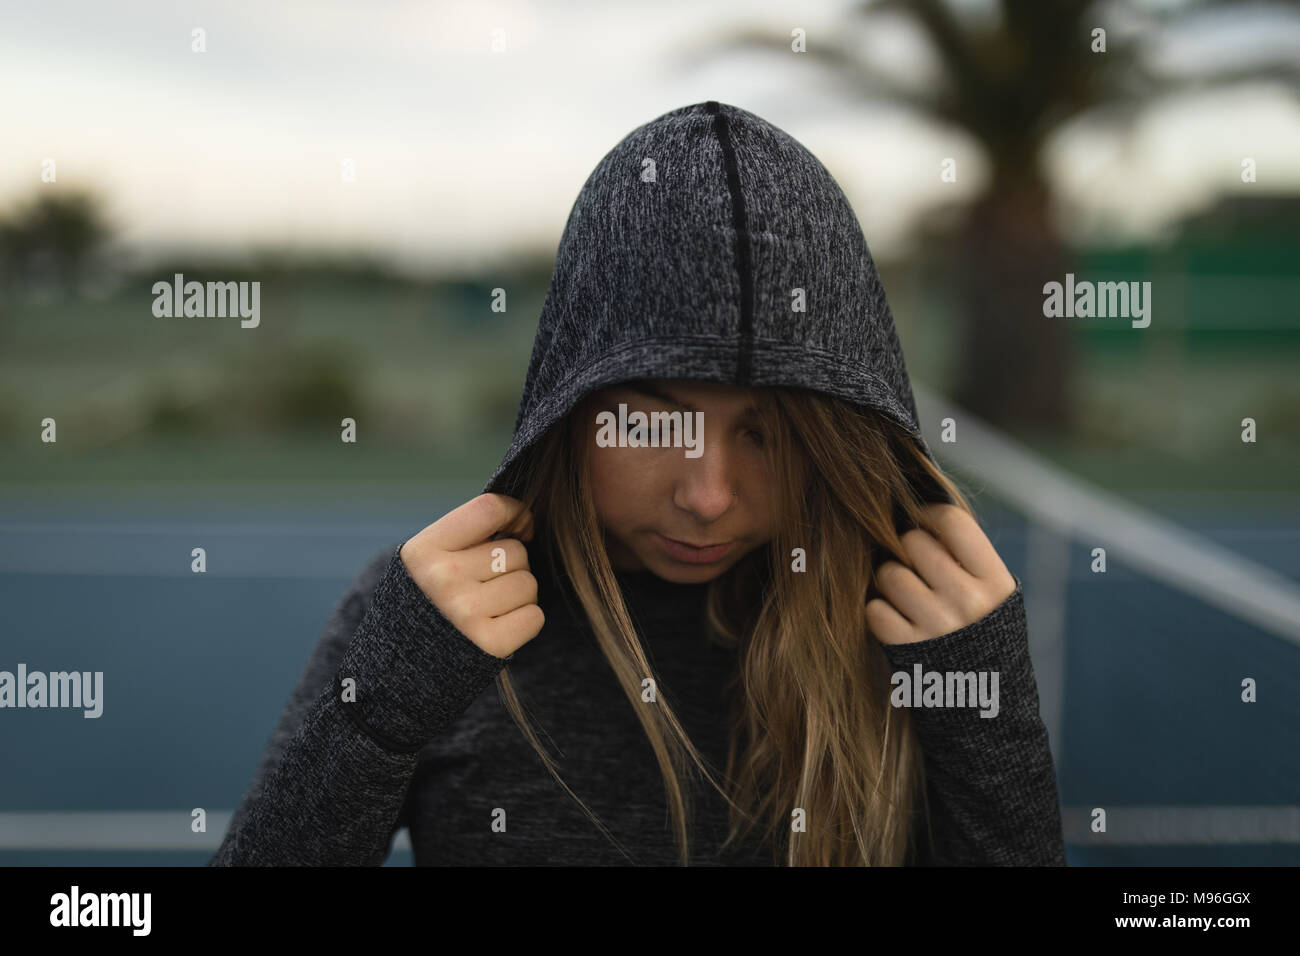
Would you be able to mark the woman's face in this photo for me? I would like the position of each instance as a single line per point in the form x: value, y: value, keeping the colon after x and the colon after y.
x: 712, y: 488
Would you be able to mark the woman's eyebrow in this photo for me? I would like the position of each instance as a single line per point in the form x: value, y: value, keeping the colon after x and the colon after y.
x: 652, y: 391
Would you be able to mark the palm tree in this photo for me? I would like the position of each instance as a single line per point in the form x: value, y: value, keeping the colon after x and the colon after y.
x: 1012, y: 79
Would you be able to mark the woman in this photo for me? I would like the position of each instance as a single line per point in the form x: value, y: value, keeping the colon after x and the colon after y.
x: 716, y: 619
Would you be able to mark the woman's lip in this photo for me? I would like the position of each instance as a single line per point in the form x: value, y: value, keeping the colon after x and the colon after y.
x: 691, y: 554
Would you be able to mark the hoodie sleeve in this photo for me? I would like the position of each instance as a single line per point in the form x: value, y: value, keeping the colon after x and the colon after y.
x: 990, y: 781
x: 332, y: 788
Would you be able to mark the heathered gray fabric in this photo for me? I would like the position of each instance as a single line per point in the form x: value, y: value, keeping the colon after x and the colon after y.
x: 689, y: 276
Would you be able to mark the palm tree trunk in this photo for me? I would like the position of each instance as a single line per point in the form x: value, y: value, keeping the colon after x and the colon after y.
x: 1016, y: 367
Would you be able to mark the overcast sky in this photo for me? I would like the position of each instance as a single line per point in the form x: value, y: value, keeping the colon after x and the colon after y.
x: 462, y: 152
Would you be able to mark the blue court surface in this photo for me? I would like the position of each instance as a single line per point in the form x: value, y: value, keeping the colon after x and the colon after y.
x: 198, y: 666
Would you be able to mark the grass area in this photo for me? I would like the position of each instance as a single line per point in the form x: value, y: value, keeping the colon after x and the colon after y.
x: 413, y: 364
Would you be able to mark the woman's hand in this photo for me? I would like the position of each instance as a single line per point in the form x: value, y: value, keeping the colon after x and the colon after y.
x: 952, y: 581
x: 479, y: 582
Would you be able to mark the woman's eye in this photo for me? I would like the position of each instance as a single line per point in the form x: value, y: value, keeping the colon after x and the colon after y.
x: 757, y: 437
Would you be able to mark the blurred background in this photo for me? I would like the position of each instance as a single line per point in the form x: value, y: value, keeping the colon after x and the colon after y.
x: 381, y: 168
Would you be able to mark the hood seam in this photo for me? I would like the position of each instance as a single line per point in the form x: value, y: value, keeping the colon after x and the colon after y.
x: 744, y: 267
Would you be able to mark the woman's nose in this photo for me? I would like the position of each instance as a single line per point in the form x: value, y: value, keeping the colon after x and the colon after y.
x: 707, y: 486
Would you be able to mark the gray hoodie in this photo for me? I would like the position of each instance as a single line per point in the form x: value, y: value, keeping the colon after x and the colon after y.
x: 687, y: 254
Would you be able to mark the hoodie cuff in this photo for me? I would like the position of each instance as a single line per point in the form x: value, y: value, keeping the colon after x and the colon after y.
x: 415, y: 672
x: 997, y: 642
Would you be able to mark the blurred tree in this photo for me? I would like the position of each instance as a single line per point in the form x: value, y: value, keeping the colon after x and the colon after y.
x: 1013, y: 73
x: 49, y: 244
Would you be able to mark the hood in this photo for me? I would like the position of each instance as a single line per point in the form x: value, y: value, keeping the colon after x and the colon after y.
x: 680, y: 259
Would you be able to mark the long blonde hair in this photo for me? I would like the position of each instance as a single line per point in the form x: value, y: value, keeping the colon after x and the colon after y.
x: 811, y: 723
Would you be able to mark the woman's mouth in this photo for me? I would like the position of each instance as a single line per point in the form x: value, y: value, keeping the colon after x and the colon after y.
x: 691, y: 554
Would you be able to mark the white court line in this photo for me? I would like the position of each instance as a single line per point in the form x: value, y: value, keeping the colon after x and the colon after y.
x: 321, y: 529
x: 121, y: 830
x: 416, y: 488
x: 1184, y: 826
x: 1154, y: 545
x: 1132, y: 826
